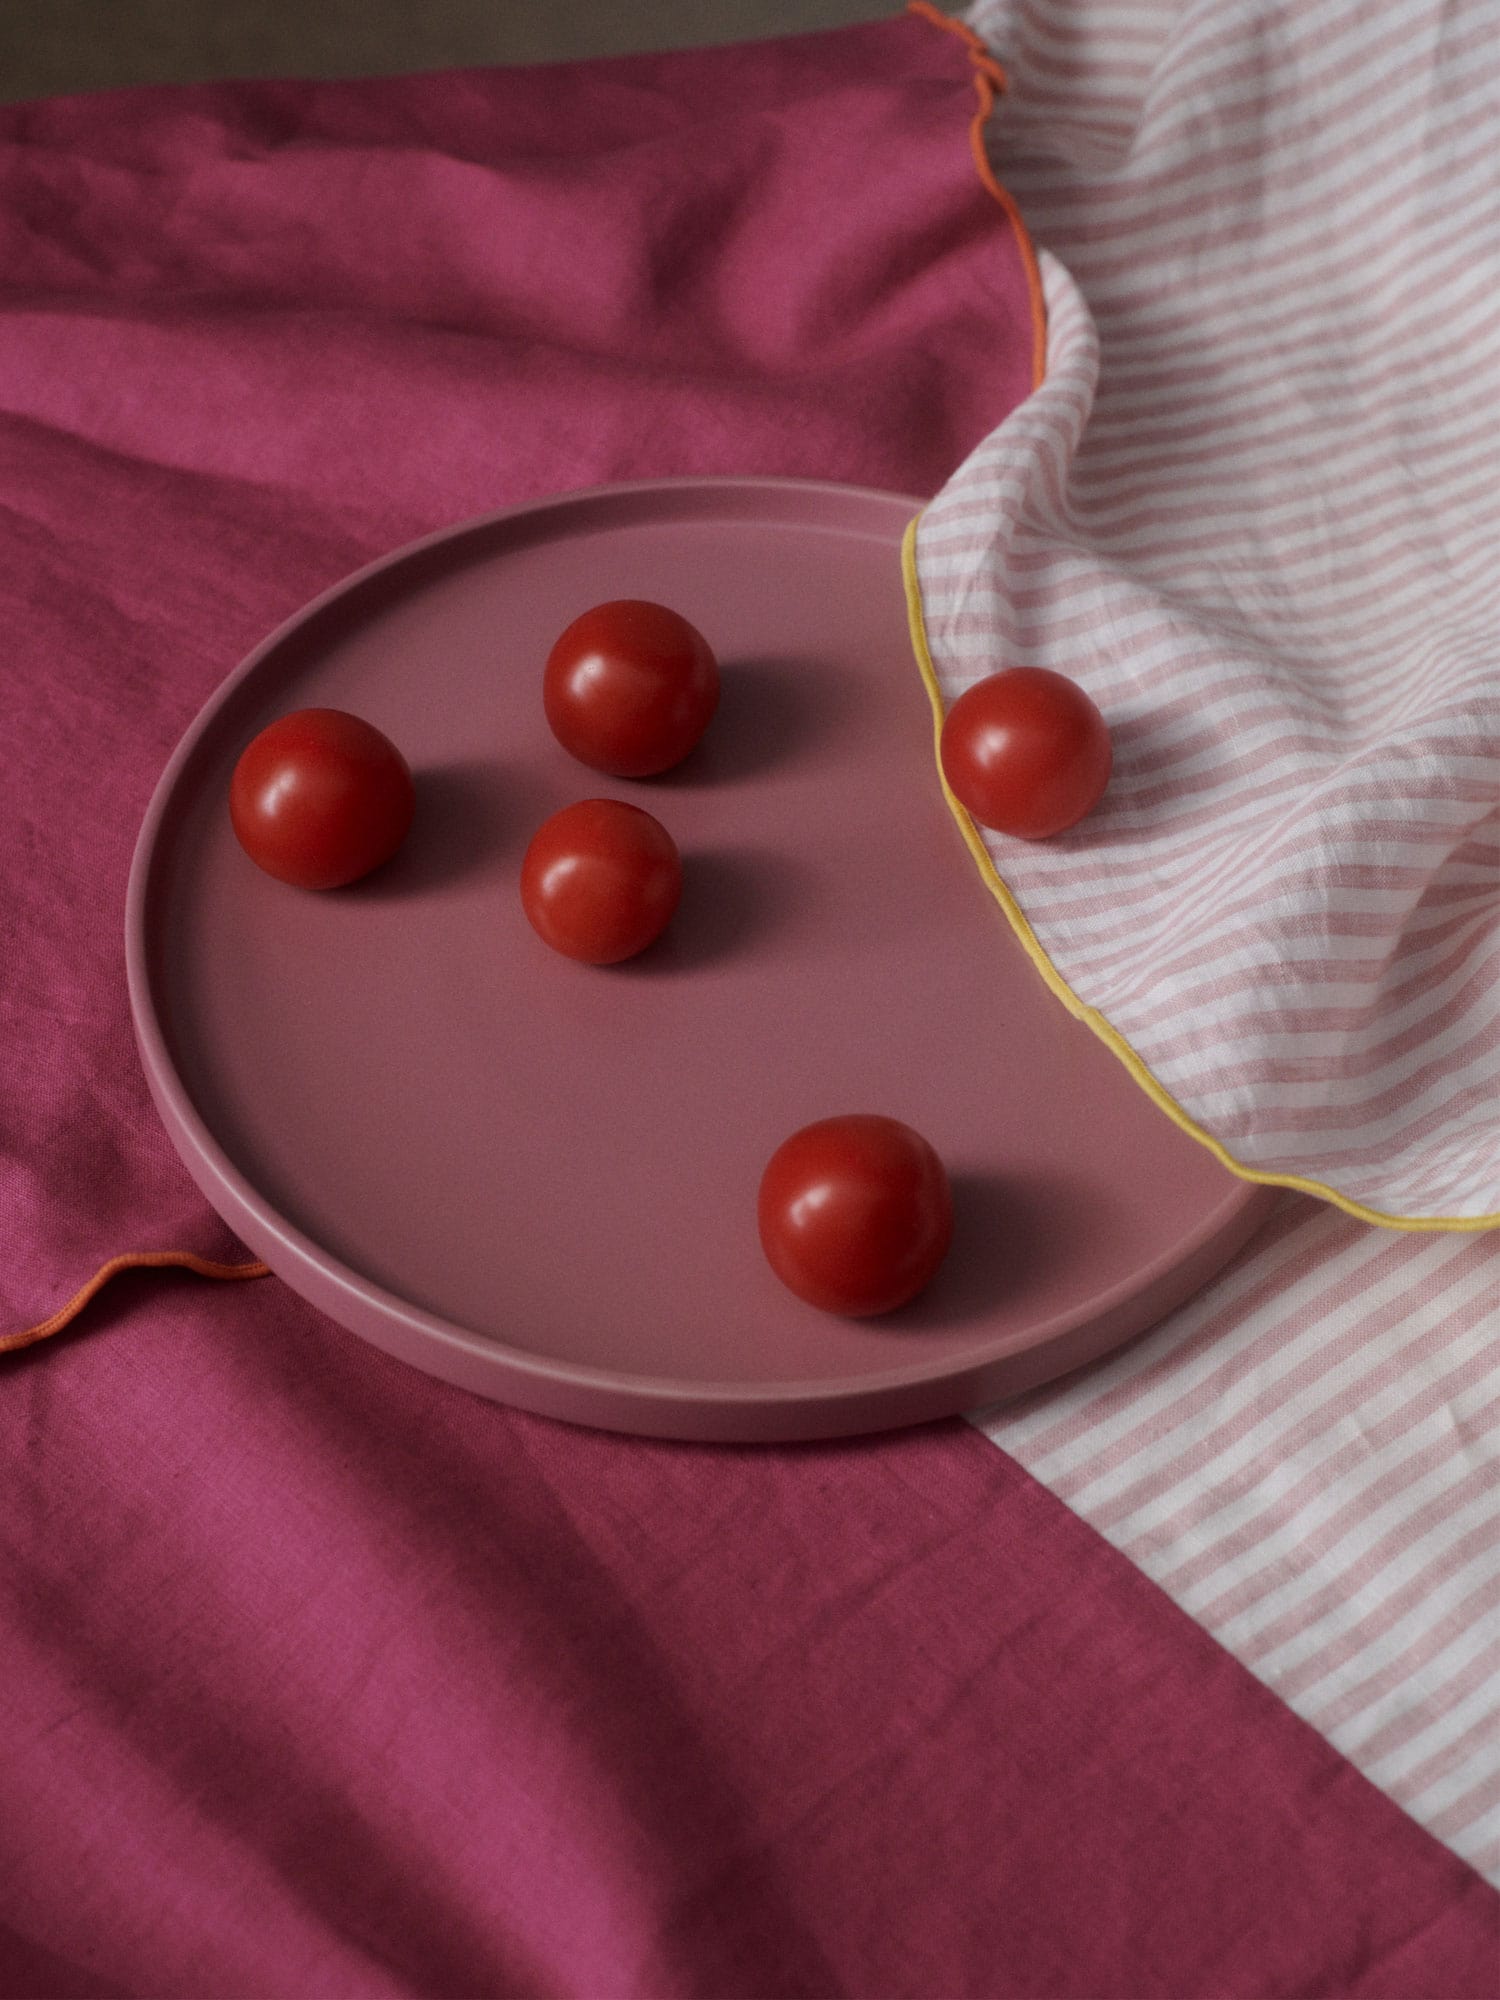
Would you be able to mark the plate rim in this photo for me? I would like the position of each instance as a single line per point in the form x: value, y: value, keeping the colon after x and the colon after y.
x: 239, y: 1203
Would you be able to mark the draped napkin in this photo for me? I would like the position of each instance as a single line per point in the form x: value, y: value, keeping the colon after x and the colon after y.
x: 1252, y: 508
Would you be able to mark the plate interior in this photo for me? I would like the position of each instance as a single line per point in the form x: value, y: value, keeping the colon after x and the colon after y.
x: 554, y: 1167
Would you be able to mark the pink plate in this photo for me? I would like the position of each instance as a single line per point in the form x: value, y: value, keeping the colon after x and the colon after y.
x: 538, y: 1179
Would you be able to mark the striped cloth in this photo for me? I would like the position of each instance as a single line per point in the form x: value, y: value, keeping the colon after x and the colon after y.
x: 1305, y: 1459
x: 1253, y: 508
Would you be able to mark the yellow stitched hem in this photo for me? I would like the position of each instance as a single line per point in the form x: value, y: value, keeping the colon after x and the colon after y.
x: 1111, y: 1037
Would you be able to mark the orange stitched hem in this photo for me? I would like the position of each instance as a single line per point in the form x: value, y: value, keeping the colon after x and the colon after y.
x: 132, y: 1260
x: 989, y: 81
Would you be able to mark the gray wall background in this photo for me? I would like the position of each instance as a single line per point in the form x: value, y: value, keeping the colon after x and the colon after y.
x: 48, y: 46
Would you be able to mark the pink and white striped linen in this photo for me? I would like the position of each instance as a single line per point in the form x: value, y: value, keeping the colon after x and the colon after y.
x: 1253, y: 508
x: 1305, y: 1458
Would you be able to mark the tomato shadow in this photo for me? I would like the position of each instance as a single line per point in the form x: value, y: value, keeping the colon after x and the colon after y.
x: 769, y: 711
x: 1007, y: 1232
x: 733, y: 901
x: 467, y: 815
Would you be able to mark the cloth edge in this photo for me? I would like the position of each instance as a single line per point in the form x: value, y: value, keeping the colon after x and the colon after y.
x: 1112, y: 1039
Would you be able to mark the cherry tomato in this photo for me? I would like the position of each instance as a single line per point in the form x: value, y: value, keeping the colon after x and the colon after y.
x: 600, y: 880
x: 630, y: 687
x: 1026, y: 751
x: 320, y: 798
x: 855, y: 1213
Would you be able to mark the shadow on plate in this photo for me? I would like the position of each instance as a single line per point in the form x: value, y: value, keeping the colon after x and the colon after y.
x: 733, y: 901
x: 769, y: 711
x: 1007, y: 1232
x: 467, y: 815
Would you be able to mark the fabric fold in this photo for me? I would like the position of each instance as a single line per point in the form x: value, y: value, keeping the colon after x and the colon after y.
x: 1249, y: 510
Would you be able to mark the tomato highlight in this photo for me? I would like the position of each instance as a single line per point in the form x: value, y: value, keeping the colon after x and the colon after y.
x: 600, y: 881
x: 1026, y: 752
x: 320, y: 798
x: 855, y: 1214
x: 630, y: 687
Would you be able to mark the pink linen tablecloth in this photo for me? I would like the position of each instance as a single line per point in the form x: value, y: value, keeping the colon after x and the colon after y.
x: 322, y: 1677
